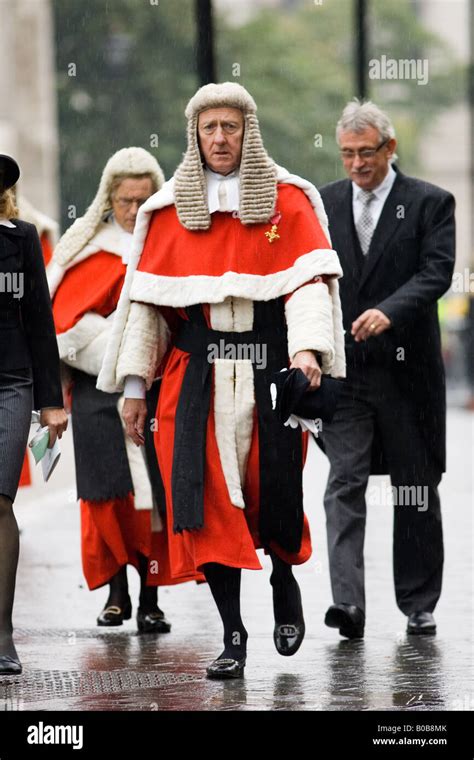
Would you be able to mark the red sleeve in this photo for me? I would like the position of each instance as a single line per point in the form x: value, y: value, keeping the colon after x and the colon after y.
x: 92, y: 285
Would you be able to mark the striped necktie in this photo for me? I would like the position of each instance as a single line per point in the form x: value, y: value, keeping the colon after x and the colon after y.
x: 365, y: 224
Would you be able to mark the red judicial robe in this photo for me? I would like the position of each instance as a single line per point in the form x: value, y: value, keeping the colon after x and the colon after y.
x: 181, y: 261
x: 112, y: 531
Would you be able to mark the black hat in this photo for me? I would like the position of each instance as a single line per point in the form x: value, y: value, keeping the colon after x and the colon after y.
x: 9, y: 172
x: 292, y: 396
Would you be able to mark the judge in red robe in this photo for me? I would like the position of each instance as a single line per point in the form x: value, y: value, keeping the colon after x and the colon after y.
x: 120, y: 519
x: 231, y: 267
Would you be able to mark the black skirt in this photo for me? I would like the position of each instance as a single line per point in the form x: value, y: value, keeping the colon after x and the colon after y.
x: 16, y: 404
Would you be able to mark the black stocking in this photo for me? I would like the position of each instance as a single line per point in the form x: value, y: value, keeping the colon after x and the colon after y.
x: 148, y: 594
x: 287, y: 605
x: 224, y: 583
x: 118, y: 589
x: 9, y: 550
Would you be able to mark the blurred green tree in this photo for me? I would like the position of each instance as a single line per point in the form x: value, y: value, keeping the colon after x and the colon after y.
x: 126, y: 69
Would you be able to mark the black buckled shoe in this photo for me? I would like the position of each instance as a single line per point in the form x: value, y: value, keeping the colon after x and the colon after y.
x: 288, y: 637
x: 152, y: 622
x: 348, y: 618
x: 114, y: 615
x: 421, y: 624
x: 9, y: 666
x: 226, y: 668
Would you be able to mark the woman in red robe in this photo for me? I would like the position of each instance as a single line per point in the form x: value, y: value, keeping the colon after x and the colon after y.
x: 120, y: 491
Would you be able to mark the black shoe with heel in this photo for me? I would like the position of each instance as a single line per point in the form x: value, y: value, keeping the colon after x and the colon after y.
x: 152, y: 622
x: 115, y: 615
x: 348, y: 618
x: 226, y: 668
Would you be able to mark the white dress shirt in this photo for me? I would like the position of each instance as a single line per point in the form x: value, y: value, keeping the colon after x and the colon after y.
x: 223, y: 193
x: 381, y: 193
x: 6, y: 222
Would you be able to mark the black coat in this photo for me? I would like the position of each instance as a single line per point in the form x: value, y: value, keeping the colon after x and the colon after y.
x: 27, y: 335
x: 408, y: 267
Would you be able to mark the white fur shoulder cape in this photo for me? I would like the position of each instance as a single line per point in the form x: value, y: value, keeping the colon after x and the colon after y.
x: 318, y: 262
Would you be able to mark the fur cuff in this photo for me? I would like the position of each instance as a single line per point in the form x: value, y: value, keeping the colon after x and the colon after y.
x: 143, y: 345
x: 90, y: 358
x: 310, y: 323
x: 71, y: 342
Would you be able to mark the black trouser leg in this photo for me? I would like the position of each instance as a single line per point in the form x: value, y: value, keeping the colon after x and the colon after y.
x: 417, y: 528
x: 287, y: 606
x: 348, y: 444
x: 9, y: 550
x: 148, y: 601
x: 417, y: 547
x: 224, y: 583
x: 118, y: 588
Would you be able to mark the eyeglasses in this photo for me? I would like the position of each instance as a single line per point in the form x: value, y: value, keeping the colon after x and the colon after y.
x: 127, y: 202
x: 349, y: 155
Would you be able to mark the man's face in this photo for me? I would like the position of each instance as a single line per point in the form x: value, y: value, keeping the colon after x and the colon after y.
x: 127, y: 199
x: 367, y: 171
x: 220, y: 133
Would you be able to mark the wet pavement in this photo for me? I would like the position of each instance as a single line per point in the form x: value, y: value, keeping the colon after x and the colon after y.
x: 70, y: 664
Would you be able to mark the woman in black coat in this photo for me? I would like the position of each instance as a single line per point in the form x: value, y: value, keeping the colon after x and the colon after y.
x: 29, y: 379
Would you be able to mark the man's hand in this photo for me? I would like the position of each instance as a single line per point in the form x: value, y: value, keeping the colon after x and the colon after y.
x: 307, y: 363
x: 371, y: 322
x: 56, y: 421
x: 134, y: 415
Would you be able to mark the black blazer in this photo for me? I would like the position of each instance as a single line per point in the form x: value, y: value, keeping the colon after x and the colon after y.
x: 27, y: 334
x: 408, y: 267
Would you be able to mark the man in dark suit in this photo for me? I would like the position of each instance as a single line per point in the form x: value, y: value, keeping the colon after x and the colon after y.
x: 395, y: 238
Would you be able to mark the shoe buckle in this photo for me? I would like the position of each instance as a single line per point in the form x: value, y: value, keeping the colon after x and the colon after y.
x: 287, y: 630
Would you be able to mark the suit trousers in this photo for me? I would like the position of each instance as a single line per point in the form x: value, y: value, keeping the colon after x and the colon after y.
x: 372, y: 401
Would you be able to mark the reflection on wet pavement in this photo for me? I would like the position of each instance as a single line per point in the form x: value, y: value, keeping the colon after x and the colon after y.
x: 71, y: 664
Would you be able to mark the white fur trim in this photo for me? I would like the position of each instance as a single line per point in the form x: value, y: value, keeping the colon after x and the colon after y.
x: 144, y: 343
x: 143, y: 496
x: 82, y: 334
x: 234, y: 403
x: 234, y: 398
x: 165, y: 197
x: 310, y: 323
x: 89, y: 359
x: 232, y: 315
x: 108, y: 238
x: 185, y: 291
x: 244, y: 405
x: 339, y: 366
x: 284, y: 177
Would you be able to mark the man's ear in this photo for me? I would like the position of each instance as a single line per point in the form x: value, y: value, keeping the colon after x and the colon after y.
x: 391, y: 147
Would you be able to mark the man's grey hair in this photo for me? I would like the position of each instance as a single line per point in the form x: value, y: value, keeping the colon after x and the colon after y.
x: 358, y: 115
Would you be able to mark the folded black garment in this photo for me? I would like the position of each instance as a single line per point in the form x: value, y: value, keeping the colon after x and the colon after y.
x: 292, y: 396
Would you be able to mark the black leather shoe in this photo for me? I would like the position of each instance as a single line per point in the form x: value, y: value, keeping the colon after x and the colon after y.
x: 288, y: 637
x: 114, y: 615
x: 421, y: 624
x: 348, y: 618
x: 9, y: 666
x: 226, y: 668
x: 152, y: 622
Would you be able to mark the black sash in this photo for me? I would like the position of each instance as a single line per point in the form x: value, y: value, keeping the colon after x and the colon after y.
x: 280, y: 450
